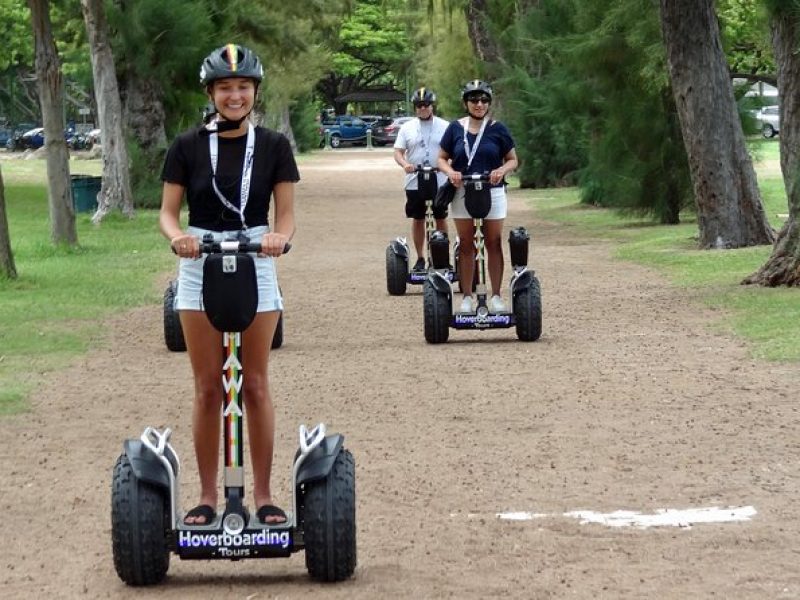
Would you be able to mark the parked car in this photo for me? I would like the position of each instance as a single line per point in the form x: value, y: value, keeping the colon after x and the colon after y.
x: 5, y: 135
x: 343, y: 129
x: 769, y: 117
x: 33, y: 138
x: 93, y: 135
x: 370, y: 119
x: 385, y: 132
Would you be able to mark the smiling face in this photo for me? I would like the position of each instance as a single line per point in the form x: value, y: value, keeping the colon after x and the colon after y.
x: 477, y: 105
x: 233, y: 97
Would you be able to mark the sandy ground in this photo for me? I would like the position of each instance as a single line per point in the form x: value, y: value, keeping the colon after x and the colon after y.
x: 629, y: 401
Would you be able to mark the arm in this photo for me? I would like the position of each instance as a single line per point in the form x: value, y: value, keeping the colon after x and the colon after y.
x: 443, y: 162
x: 273, y: 243
x: 510, y: 163
x: 182, y: 244
x: 400, y: 159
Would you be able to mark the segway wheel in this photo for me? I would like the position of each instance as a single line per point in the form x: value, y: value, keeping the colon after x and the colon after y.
x: 329, y: 521
x: 437, y: 309
x: 277, y: 339
x: 173, y: 332
x: 396, y: 273
x: 140, y: 516
x: 528, y: 312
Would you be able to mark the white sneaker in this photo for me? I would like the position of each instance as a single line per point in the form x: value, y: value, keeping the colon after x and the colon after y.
x: 466, y: 305
x: 496, y: 305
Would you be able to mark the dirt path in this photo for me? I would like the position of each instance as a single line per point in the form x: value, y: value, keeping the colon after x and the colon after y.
x: 627, y: 402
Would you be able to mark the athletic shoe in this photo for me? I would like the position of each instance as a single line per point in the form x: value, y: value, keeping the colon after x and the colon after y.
x: 496, y: 304
x: 466, y: 305
x: 419, y: 265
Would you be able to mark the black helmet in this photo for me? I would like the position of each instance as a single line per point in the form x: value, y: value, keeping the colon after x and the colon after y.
x: 423, y: 94
x: 231, y: 60
x: 476, y: 86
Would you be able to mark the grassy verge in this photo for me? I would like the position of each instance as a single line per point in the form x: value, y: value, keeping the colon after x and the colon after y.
x: 768, y: 318
x: 54, y: 308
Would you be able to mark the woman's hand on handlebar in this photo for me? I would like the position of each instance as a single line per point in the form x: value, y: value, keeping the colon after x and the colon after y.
x: 185, y: 246
x: 496, y: 176
x: 455, y: 178
x: 273, y: 244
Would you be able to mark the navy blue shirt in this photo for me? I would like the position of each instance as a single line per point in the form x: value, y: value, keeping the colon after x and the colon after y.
x: 495, y: 144
x: 188, y: 163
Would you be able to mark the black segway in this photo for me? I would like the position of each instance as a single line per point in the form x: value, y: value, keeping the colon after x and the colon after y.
x: 146, y: 519
x: 526, y: 314
x: 398, y: 251
x: 173, y: 331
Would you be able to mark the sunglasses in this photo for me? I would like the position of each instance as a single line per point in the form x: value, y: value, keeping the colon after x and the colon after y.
x: 421, y: 104
x: 480, y: 100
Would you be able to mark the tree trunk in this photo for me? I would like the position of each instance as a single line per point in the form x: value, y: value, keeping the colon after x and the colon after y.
x: 483, y: 44
x: 284, y: 126
x: 729, y: 209
x: 478, y: 27
x: 115, y: 191
x: 7, y: 268
x: 145, y: 114
x: 51, y: 99
x: 783, y: 266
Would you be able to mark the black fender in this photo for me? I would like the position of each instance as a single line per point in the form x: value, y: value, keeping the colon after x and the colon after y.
x: 399, y: 248
x: 524, y: 281
x: 440, y: 283
x: 319, y: 463
x: 146, y: 465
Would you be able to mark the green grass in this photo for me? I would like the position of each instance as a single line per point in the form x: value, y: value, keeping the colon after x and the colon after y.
x: 53, y: 310
x: 768, y: 318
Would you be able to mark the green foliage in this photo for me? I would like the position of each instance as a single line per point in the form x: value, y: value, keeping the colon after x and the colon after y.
x: 768, y: 318
x: 15, y: 34
x: 745, y: 34
x: 589, y: 99
x: 444, y: 58
x: 306, y: 130
x: 51, y: 311
x: 370, y: 48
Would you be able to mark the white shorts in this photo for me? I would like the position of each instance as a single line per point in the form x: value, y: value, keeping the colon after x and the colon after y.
x: 499, y: 205
x: 190, y: 275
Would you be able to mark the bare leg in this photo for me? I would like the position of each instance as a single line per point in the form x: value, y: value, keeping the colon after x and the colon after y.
x: 258, y: 404
x: 418, y: 235
x: 204, y: 344
x: 441, y: 225
x: 466, y: 254
x: 492, y: 231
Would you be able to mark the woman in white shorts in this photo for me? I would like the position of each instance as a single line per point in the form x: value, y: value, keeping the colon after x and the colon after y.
x: 228, y: 170
x: 478, y: 144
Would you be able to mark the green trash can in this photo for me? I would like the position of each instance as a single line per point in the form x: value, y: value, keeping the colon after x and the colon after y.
x: 84, y: 192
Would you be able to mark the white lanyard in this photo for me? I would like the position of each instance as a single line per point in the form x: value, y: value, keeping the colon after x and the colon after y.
x: 426, y: 144
x: 471, y: 153
x: 247, y: 171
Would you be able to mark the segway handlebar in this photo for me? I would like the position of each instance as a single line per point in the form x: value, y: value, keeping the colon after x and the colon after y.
x: 475, y: 177
x: 426, y: 169
x: 234, y: 246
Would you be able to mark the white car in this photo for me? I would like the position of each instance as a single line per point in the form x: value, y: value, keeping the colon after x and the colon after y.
x: 770, y: 119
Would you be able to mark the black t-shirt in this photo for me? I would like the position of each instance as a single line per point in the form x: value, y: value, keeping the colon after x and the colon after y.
x: 188, y: 163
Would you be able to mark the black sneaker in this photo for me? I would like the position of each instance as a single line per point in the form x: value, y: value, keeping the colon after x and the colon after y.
x: 419, y: 265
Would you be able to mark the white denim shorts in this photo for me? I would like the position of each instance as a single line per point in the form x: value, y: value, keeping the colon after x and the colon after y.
x: 499, y: 204
x: 190, y: 275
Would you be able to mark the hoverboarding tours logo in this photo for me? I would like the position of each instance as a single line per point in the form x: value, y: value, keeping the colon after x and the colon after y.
x: 229, y: 545
x: 478, y: 321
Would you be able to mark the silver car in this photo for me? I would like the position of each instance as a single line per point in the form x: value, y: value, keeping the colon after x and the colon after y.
x: 770, y: 119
